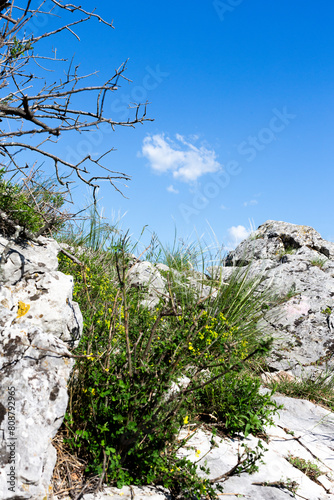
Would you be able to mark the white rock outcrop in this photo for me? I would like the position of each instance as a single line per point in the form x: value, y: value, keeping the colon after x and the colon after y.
x: 39, y: 322
x: 294, y: 261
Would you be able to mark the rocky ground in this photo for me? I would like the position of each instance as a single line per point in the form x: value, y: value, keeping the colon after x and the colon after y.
x: 299, y: 265
x: 39, y: 316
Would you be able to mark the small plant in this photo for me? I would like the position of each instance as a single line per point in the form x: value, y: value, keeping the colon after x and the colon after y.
x: 287, y: 484
x: 256, y: 237
x: 288, y: 250
x: 290, y: 485
x: 309, y: 468
x: 318, y: 262
x: 291, y: 293
x: 327, y: 311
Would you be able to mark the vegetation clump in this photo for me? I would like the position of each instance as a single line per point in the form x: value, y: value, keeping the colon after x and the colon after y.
x: 34, y: 206
x: 318, y: 262
x: 309, y: 468
x: 319, y: 388
x: 127, y: 403
x: 125, y: 415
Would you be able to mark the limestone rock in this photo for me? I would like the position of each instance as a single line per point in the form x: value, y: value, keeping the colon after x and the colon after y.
x: 301, y: 429
x: 143, y: 275
x: 38, y: 321
x: 275, y: 237
x: 295, y: 262
x: 130, y: 493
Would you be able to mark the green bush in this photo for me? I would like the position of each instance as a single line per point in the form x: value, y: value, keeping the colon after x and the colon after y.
x: 33, y: 205
x: 122, y: 418
x: 234, y: 405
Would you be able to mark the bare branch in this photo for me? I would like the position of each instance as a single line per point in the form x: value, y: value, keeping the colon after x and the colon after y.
x: 36, y: 105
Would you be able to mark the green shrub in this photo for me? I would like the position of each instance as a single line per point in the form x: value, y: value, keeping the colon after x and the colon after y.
x: 233, y: 403
x: 122, y: 418
x: 33, y: 205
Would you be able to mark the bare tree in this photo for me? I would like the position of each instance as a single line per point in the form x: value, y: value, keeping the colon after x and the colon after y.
x: 36, y: 111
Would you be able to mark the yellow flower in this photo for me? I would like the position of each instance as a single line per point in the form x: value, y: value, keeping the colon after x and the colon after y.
x: 198, y: 452
x: 186, y: 420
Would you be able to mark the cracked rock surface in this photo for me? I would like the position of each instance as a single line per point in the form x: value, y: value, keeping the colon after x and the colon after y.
x: 294, y: 261
x: 38, y: 324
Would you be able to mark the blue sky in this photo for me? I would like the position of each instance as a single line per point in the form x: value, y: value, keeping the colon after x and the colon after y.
x: 242, y: 97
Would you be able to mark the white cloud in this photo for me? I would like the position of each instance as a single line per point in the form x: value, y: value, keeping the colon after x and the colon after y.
x: 250, y: 203
x: 172, y: 189
x: 238, y: 233
x: 185, y: 161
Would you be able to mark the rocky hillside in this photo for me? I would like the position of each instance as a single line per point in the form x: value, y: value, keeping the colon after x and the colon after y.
x: 40, y: 324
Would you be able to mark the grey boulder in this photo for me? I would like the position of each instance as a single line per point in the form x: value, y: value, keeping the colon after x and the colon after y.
x: 38, y: 323
x: 298, y: 265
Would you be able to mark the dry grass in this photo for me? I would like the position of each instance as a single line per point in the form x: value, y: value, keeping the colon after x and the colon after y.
x: 69, y: 481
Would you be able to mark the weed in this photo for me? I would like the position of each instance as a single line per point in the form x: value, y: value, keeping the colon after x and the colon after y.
x: 288, y: 250
x: 327, y: 311
x: 309, y: 468
x: 291, y: 293
x: 290, y: 485
x: 287, y: 484
x: 318, y: 262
